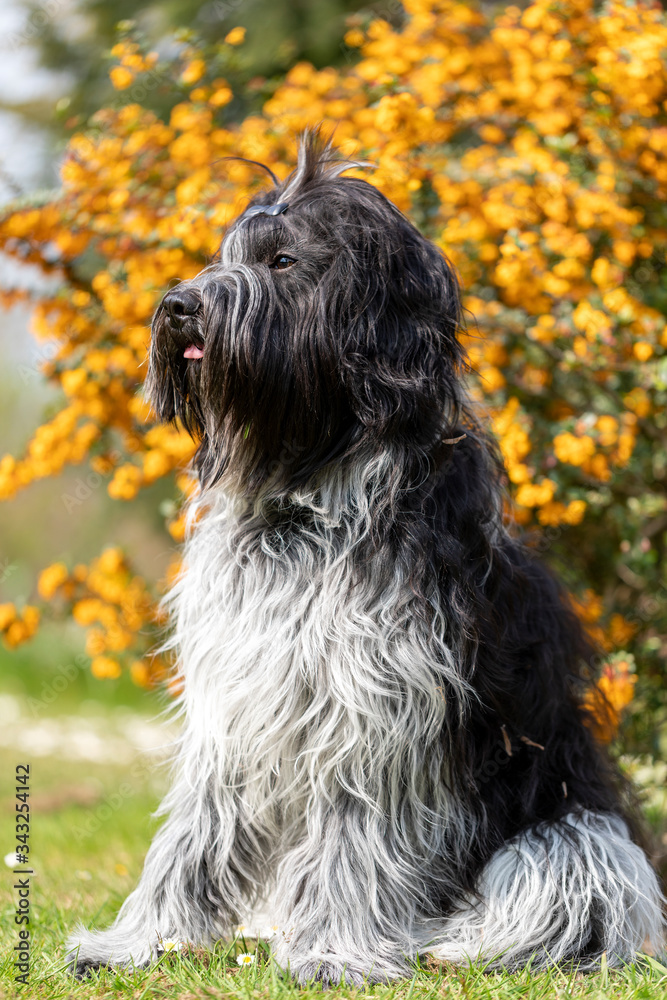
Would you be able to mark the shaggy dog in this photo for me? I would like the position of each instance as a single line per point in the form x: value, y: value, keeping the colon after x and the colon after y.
x: 384, y: 734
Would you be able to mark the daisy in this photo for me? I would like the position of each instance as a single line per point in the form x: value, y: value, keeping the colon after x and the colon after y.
x: 269, y: 932
x: 167, y: 944
x: 245, y: 959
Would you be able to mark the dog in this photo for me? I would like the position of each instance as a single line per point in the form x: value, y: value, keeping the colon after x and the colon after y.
x: 385, y: 740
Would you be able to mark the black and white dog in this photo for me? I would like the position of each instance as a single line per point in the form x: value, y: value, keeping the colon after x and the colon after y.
x: 384, y: 737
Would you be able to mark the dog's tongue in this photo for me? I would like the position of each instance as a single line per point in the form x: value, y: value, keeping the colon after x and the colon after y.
x: 193, y: 352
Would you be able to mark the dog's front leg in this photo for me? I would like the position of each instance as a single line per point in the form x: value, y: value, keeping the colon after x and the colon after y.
x: 191, y: 888
x: 346, y: 905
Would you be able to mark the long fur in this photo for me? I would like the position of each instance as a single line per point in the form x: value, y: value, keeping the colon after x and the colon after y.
x: 384, y: 734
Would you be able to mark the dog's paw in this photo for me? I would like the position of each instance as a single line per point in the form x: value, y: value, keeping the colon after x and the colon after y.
x: 81, y: 969
x: 332, y: 970
x: 329, y: 974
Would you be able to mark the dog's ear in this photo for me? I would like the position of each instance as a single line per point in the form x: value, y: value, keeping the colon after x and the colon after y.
x: 402, y: 359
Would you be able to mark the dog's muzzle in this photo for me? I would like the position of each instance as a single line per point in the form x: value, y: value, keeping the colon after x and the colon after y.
x: 182, y: 306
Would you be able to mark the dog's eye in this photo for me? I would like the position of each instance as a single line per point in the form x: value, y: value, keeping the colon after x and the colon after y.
x: 281, y: 262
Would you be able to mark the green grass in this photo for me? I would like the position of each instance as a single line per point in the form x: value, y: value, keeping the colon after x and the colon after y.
x: 87, y: 860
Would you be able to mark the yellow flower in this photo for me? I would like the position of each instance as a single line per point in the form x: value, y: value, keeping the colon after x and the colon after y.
x: 638, y: 401
x: 117, y: 639
x: 575, y: 511
x: 7, y: 616
x: 18, y: 628
x: 551, y: 513
x: 554, y: 512
x: 620, y: 630
x: 626, y: 446
x: 50, y: 579
x: 103, y: 667
x: 598, y: 466
x: 608, y: 428
x: 624, y: 251
x: 121, y: 49
x: 536, y: 494
x: 140, y: 673
x: 16, y: 634
x: 591, y: 321
x: 89, y: 610
x: 73, y: 381
x: 221, y: 95
x: 125, y: 483
x: 617, y: 683
x: 573, y: 450
x: 642, y: 350
x: 236, y: 36
x: 600, y: 272
x: 111, y: 561
x: 121, y: 77
x: 354, y: 38
x: 31, y: 616
x: 613, y: 692
x: 176, y: 528
x: 193, y: 72
x: 96, y: 642
x: 493, y: 377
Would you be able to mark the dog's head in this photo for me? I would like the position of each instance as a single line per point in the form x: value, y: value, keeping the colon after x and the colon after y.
x: 327, y: 326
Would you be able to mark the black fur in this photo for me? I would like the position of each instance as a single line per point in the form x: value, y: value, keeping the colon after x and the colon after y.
x: 355, y: 349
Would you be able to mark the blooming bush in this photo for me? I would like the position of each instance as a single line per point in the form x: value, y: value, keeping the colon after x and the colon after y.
x: 532, y: 148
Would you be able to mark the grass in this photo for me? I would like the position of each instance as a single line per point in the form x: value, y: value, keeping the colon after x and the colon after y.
x: 88, y: 843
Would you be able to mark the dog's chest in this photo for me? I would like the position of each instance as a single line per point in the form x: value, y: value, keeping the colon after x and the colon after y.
x: 295, y: 672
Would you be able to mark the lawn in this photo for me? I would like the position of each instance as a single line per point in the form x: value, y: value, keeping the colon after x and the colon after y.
x: 90, y: 828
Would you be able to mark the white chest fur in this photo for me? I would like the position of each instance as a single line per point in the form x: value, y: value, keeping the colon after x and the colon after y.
x: 301, y: 678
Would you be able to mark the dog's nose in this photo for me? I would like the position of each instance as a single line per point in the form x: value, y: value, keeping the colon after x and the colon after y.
x: 181, y: 303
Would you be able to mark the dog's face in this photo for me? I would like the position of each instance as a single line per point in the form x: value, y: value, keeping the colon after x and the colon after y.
x: 327, y: 325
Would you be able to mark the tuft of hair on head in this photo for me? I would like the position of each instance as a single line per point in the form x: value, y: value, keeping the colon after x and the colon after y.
x: 317, y: 160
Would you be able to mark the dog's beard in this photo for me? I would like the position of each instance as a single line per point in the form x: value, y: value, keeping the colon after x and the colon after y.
x: 353, y: 349
x: 266, y: 409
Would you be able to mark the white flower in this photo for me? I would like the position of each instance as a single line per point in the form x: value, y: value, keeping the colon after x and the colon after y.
x: 167, y: 944
x: 245, y: 959
x: 269, y: 932
x: 10, y: 860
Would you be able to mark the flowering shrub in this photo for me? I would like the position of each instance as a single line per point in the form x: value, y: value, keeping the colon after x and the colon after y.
x: 532, y: 148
